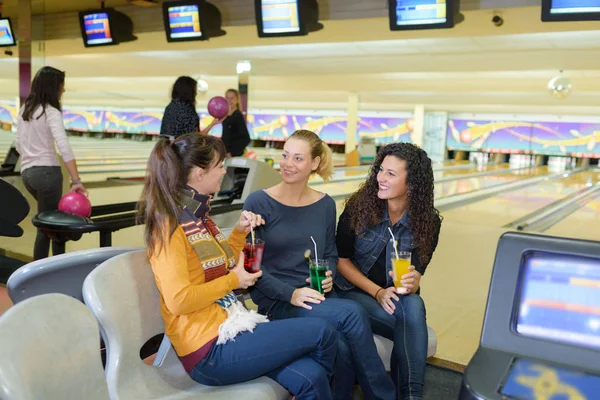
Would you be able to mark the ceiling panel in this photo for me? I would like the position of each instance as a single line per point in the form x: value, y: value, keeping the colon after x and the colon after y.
x: 468, y: 73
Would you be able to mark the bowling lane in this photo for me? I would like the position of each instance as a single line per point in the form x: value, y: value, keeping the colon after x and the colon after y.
x: 504, y: 208
x: 466, y: 185
x: 458, y: 186
x: 355, y: 176
x: 583, y: 223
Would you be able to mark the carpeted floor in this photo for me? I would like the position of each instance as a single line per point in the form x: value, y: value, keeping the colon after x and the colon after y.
x: 440, y: 384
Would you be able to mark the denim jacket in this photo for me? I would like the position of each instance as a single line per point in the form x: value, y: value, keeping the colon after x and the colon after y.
x: 369, y: 244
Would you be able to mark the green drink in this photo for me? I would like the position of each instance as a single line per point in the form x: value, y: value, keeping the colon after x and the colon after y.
x: 318, y: 273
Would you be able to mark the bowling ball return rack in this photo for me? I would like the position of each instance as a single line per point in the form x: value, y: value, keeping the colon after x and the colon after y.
x: 105, y: 220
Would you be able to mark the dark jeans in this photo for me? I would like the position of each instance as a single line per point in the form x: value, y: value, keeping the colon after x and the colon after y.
x: 357, y: 356
x: 45, y: 185
x: 407, y: 328
x: 297, y: 353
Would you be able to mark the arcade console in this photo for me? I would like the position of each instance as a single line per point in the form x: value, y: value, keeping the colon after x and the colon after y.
x: 243, y: 177
x: 541, y: 331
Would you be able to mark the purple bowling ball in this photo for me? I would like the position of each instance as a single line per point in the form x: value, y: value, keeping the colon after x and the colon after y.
x: 218, y: 107
x: 75, y: 203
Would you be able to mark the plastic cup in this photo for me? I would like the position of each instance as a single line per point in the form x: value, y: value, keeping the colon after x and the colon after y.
x: 253, y: 254
x: 400, y: 264
x: 318, y: 273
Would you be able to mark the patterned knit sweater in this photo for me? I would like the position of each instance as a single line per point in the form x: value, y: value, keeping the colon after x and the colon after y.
x: 198, y: 305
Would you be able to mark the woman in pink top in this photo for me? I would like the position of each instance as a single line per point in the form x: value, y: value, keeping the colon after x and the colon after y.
x: 40, y: 126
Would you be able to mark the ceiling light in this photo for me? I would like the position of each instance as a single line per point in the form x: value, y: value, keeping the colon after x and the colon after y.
x: 243, y: 66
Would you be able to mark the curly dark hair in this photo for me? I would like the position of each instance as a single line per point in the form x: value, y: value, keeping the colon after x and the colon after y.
x: 366, y: 209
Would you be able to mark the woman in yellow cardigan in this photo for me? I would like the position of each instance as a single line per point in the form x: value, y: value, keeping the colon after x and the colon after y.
x: 218, y: 341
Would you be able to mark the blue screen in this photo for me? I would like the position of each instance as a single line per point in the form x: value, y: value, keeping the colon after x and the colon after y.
x: 97, y: 28
x: 6, y: 35
x: 574, y: 6
x: 184, y: 21
x: 418, y: 12
x: 560, y: 299
x: 280, y: 16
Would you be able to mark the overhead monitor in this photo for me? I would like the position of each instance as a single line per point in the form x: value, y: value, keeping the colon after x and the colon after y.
x: 7, y: 36
x: 97, y: 28
x: 570, y: 10
x: 560, y: 299
x: 421, y: 14
x: 280, y: 18
x: 184, y: 20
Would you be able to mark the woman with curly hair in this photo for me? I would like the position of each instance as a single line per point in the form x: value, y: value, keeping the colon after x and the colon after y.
x: 397, y: 196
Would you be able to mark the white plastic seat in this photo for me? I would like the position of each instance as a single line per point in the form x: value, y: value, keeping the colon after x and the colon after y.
x: 385, y: 346
x: 64, y: 273
x: 49, y: 350
x: 122, y: 294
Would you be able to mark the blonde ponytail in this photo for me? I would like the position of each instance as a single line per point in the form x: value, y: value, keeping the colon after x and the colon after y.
x: 325, y: 169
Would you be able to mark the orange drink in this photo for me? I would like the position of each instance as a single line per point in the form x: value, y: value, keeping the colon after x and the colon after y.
x: 400, y: 264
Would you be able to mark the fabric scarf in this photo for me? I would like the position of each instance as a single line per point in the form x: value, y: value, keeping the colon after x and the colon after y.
x: 217, y: 260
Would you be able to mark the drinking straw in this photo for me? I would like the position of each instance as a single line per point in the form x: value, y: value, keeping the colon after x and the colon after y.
x: 394, y: 242
x: 251, y: 229
x: 315, y: 243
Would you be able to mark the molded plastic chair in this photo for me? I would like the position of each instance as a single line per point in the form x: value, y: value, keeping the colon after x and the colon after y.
x: 64, y: 273
x: 123, y: 295
x: 64, y: 365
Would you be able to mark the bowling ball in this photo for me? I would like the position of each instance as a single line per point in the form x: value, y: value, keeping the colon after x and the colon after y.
x: 75, y: 203
x: 218, y: 107
x: 251, y: 155
x: 269, y: 161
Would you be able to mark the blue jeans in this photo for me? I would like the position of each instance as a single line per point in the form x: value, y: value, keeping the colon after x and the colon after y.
x: 299, y: 354
x: 357, y: 356
x: 407, y: 328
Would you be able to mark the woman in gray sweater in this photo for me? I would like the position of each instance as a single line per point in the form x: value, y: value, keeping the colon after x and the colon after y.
x: 293, y: 213
x: 40, y: 126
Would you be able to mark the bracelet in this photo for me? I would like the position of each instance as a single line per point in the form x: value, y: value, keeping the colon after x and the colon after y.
x: 377, y: 292
x: 75, y: 181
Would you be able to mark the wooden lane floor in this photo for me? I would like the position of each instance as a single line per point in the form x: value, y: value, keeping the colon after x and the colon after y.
x: 110, y: 194
x: 97, y: 155
x: 583, y: 223
x: 506, y: 207
x: 440, y: 170
x: 441, y: 189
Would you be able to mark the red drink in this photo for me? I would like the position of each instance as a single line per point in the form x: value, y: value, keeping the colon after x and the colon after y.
x: 253, y: 254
